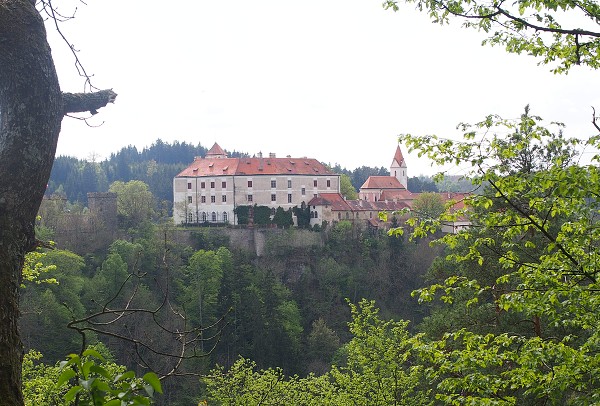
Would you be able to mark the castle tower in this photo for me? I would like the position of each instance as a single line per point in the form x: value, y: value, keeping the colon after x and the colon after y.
x: 216, y: 152
x: 398, y: 168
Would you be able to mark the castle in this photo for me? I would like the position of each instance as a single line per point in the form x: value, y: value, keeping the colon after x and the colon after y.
x: 210, y: 189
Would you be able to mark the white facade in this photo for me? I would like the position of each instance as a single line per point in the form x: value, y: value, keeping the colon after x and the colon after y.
x: 210, y: 189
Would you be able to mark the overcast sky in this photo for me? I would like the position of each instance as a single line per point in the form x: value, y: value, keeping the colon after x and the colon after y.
x: 335, y: 80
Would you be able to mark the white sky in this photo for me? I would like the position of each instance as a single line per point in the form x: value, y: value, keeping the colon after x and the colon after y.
x: 335, y: 80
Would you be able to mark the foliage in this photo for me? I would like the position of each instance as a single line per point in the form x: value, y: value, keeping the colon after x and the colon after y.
x: 87, y: 379
x: 97, y: 382
x: 534, y: 229
x: 302, y: 214
x: 428, y: 205
x: 564, y: 33
x: 378, y: 372
x: 283, y: 218
x: 34, y: 268
x: 135, y: 202
x: 39, y: 381
x: 346, y: 188
x: 417, y: 184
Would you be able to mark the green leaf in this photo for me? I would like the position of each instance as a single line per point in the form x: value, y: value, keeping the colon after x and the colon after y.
x: 93, y: 353
x: 65, y: 376
x: 153, y: 380
x: 70, y: 395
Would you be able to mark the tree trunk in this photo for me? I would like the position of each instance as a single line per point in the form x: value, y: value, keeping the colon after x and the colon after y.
x: 31, y: 110
x: 30, y: 116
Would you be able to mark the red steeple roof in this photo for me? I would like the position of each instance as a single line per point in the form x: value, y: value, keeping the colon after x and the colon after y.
x: 398, y: 156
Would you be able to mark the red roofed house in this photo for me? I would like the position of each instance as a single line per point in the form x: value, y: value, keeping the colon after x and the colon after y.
x: 211, y: 188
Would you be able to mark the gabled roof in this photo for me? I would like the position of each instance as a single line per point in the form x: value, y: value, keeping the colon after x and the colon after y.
x: 202, y: 167
x: 382, y: 205
x: 397, y: 195
x: 382, y: 182
x: 335, y: 200
x: 398, y: 157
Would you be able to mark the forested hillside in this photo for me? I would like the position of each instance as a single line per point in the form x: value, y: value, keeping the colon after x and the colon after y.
x: 287, y: 308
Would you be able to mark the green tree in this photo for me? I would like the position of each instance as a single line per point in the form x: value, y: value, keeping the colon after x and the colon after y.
x: 379, y: 371
x: 564, y: 33
x: 535, y: 230
x: 283, y: 218
x: 428, y: 205
x: 346, y: 188
x: 135, y: 202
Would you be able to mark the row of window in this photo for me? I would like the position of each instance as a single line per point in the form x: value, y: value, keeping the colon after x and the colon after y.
x: 273, y: 184
x: 205, y: 217
x: 250, y: 198
x: 213, y: 199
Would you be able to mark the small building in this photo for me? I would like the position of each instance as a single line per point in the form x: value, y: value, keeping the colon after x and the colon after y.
x: 211, y: 188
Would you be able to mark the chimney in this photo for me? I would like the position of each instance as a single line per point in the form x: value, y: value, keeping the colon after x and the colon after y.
x: 271, y: 154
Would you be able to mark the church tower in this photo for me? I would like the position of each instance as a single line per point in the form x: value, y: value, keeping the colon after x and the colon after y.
x: 398, y: 168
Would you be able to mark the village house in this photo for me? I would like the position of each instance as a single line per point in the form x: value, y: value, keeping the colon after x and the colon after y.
x: 210, y: 188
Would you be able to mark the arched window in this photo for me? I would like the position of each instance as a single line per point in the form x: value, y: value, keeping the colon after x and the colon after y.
x: 190, y: 218
x: 316, y: 214
x: 224, y: 216
x: 214, y: 216
x: 312, y: 214
x: 203, y: 216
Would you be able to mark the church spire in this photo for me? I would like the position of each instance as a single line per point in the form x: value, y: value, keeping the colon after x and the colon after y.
x: 398, y: 168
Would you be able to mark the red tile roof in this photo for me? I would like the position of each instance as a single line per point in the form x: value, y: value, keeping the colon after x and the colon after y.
x: 398, y: 156
x: 382, y: 182
x: 335, y: 200
x: 398, y: 195
x: 254, y: 166
x: 381, y: 205
x: 216, y: 150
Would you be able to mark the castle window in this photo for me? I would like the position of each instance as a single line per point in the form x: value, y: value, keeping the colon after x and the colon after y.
x: 289, y: 184
x: 250, y: 198
x: 203, y: 199
x: 213, y: 199
x: 190, y: 218
x: 315, y: 183
x: 224, y: 198
x: 202, y: 185
x: 303, y: 191
x: 203, y: 216
x: 212, y: 185
x: 214, y: 216
x: 273, y: 197
x: 289, y: 197
x: 249, y: 183
x: 273, y: 183
x: 224, y: 185
x: 328, y: 183
x: 272, y: 211
x: 189, y: 199
x: 189, y: 185
x: 224, y: 216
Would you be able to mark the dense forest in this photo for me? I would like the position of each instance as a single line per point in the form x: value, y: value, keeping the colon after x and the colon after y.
x: 287, y: 308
